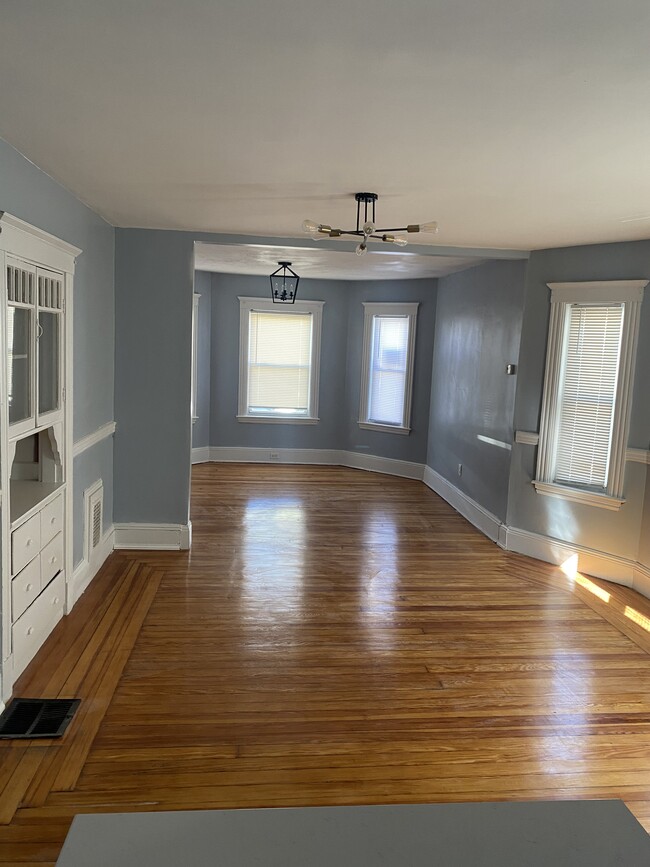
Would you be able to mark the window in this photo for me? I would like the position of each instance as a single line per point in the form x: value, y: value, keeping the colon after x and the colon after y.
x: 587, y: 390
x: 387, y: 367
x: 279, y: 361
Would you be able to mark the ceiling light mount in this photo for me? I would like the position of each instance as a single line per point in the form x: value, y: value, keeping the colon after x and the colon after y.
x: 284, y: 284
x: 366, y: 226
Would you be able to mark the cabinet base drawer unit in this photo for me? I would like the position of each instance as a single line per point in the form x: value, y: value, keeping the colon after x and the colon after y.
x: 33, y: 627
x: 51, y: 520
x: 25, y: 588
x: 25, y: 543
x: 51, y: 559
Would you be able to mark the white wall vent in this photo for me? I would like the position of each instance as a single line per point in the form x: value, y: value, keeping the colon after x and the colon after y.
x: 93, y: 508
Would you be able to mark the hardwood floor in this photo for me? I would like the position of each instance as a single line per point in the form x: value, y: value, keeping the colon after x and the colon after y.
x: 334, y: 637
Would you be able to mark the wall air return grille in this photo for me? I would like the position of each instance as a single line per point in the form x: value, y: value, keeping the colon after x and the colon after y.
x: 94, y: 498
x: 20, y: 285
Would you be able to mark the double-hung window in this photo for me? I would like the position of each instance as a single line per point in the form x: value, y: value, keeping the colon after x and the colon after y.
x: 387, y: 367
x: 279, y: 361
x: 587, y: 390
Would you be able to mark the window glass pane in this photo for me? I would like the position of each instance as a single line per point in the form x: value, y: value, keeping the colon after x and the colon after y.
x: 588, y: 393
x: 48, y: 362
x: 279, y: 363
x: 388, y: 364
x: 20, y: 347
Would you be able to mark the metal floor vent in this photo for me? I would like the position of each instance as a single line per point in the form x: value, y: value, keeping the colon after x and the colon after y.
x: 37, y: 717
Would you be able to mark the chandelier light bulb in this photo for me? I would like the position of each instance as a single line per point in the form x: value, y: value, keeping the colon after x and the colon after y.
x: 310, y: 226
x: 401, y: 242
x: 368, y: 228
x: 361, y: 249
x: 431, y: 227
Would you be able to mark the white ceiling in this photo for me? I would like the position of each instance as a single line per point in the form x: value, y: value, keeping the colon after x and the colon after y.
x: 514, y: 123
x: 324, y: 264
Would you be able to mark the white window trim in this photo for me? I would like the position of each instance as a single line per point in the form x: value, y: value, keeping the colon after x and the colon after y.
x: 371, y: 309
x: 629, y: 293
x: 246, y: 305
x: 195, y: 355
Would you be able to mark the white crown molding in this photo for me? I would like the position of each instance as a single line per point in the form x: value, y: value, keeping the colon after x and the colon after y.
x: 153, y: 537
x: 598, y: 291
x: 87, y: 442
x: 29, y: 242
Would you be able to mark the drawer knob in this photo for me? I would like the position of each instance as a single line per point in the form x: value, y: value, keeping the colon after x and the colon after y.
x: 28, y: 543
x: 53, y: 520
x: 53, y: 559
x: 30, y: 630
x: 28, y: 588
x: 55, y: 601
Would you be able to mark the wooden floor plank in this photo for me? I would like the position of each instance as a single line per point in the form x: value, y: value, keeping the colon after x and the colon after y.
x: 334, y: 637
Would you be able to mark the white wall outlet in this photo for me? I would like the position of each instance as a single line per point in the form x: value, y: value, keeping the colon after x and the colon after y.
x: 460, y: 469
x: 274, y: 456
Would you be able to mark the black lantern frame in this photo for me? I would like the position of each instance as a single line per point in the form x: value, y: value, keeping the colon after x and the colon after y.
x: 284, y: 284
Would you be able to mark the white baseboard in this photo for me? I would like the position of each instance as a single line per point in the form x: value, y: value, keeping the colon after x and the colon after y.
x: 85, y: 571
x: 201, y: 455
x: 153, y: 537
x: 375, y: 464
x: 611, y: 567
x: 238, y: 454
x: 483, y: 520
x: 641, y: 579
x: 319, y: 457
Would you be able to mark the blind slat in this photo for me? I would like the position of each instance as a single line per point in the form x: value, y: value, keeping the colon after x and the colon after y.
x: 279, y: 363
x: 388, y: 369
x: 588, y: 393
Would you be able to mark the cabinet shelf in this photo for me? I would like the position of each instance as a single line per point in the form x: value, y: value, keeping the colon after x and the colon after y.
x: 26, y: 497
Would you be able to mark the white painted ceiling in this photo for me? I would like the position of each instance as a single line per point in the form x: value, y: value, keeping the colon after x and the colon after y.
x: 324, y: 264
x: 514, y: 123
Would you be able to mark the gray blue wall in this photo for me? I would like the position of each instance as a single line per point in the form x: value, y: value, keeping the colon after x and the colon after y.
x: 201, y: 427
x: 28, y: 193
x: 340, y: 372
x: 616, y: 533
x: 154, y: 281
x: 477, y: 332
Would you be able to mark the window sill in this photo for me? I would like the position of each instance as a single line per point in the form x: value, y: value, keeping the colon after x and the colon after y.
x: 384, y: 428
x: 589, y: 498
x: 274, y: 419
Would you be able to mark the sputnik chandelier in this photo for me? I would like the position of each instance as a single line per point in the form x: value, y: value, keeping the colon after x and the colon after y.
x: 368, y: 230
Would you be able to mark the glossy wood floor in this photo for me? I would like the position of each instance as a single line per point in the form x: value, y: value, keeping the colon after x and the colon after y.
x: 335, y: 637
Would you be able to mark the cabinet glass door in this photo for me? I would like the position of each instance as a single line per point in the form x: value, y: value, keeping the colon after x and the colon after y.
x: 20, y: 346
x: 49, y: 368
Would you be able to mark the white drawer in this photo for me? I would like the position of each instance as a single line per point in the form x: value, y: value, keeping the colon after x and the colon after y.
x: 51, y: 559
x: 25, y: 588
x: 25, y: 543
x: 51, y: 520
x: 30, y: 631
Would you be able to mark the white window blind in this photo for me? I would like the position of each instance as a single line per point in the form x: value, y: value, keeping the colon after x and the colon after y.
x: 388, y: 369
x: 592, y: 349
x: 279, y: 363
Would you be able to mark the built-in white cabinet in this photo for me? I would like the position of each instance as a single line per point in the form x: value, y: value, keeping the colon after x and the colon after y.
x: 35, y: 439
